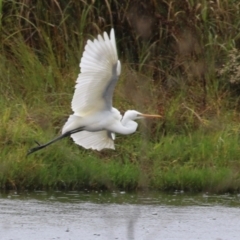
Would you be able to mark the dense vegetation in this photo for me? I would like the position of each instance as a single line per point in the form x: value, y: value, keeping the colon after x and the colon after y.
x: 180, y: 59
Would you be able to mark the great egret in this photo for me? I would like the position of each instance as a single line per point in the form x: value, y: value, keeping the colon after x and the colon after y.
x: 94, y: 121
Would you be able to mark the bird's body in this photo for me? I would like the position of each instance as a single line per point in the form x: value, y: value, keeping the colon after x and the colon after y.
x: 94, y: 121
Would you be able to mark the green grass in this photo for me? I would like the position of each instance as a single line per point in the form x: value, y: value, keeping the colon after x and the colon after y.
x: 194, y: 162
x: 177, y: 72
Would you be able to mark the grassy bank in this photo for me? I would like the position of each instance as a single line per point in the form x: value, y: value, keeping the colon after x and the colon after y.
x: 195, y: 162
x: 186, y: 68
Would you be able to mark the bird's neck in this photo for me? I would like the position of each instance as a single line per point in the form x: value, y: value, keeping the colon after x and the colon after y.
x: 129, y: 125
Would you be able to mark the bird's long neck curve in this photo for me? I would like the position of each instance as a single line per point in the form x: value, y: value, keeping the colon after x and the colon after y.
x: 129, y: 126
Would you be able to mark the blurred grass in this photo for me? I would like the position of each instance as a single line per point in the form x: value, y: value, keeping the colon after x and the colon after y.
x: 180, y: 60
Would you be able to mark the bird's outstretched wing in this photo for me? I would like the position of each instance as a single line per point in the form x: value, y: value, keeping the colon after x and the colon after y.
x: 94, y: 88
x: 100, y: 69
x: 94, y: 140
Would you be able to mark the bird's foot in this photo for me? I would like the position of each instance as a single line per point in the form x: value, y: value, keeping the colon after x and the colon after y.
x: 37, y: 142
x: 34, y: 149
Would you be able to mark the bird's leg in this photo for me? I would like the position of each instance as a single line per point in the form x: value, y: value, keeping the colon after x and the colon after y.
x: 39, y: 146
x: 66, y: 134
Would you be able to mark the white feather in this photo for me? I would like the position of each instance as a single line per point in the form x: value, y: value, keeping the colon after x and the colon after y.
x: 96, y: 66
x: 94, y: 140
x: 97, y: 62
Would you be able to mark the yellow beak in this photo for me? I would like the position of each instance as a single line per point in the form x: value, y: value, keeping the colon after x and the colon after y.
x: 150, y: 116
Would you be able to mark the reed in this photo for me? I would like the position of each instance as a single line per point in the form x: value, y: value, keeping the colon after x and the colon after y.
x: 179, y: 60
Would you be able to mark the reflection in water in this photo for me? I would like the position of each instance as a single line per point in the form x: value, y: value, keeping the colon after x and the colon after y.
x: 118, y: 215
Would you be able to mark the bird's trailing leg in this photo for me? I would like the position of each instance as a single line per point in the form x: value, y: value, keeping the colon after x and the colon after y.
x: 66, y: 134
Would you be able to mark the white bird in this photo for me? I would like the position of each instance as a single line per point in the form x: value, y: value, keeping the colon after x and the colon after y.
x: 94, y: 121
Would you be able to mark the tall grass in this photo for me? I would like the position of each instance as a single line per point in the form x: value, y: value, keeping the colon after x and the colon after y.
x: 179, y: 60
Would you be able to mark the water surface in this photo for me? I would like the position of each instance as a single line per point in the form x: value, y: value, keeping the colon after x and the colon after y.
x: 118, y: 215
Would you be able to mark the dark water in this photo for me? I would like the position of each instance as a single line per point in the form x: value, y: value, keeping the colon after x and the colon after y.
x: 118, y: 215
